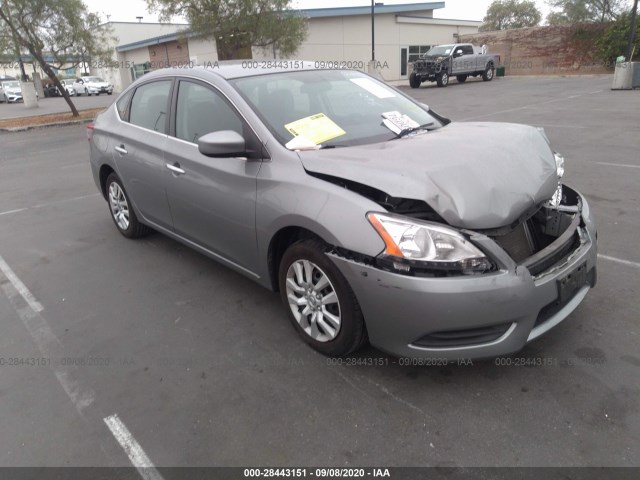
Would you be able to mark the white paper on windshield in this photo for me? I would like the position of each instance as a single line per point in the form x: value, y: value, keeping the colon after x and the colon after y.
x: 317, y: 128
x: 372, y: 87
x: 397, y: 122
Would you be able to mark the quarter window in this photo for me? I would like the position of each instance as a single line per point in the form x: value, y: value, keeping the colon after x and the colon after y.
x: 201, y: 110
x: 123, y: 106
x: 149, y: 105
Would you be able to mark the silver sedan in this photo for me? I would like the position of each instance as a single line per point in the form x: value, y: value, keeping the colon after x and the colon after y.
x: 375, y: 218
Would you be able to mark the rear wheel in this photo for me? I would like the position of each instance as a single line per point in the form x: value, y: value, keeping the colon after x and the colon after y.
x: 442, y: 79
x: 121, y: 212
x: 414, y: 81
x: 461, y: 78
x: 320, y: 303
x: 487, y: 76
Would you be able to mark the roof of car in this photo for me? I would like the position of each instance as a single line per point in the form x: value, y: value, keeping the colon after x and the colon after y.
x: 232, y: 69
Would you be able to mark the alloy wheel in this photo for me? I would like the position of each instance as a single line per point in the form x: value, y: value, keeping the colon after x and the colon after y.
x: 119, y: 206
x: 313, y: 300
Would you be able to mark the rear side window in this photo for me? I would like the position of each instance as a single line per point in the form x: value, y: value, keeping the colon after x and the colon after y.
x: 201, y: 110
x: 149, y: 105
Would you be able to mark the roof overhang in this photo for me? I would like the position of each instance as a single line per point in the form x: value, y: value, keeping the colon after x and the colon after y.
x: 366, y: 10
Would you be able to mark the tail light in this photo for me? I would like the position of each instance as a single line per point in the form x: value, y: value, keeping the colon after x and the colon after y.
x: 90, y: 128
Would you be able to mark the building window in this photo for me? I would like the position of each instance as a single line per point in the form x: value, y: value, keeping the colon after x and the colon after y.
x: 139, y: 70
x: 416, y: 51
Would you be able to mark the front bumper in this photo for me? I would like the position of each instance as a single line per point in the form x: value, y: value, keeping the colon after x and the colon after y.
x: 421, y: 317
x: 97, y: 91
x: 13, y: 97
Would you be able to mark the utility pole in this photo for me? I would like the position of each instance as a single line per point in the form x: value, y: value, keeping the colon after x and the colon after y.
x: 373, y: 30
x: 632, y: 31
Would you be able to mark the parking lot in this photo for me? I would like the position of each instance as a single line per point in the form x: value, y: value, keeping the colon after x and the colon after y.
x: 203, y: 368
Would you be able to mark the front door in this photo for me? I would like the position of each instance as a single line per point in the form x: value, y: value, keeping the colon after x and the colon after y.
x: 212, y: 200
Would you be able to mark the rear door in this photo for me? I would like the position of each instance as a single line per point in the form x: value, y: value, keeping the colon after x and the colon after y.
x: 138, y: 150
x: 213, y: 200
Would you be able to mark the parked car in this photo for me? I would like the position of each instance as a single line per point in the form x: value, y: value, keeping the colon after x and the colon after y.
x: 461, y: 60
x: 376, y: 218
x: 68, y: 85
x: 92, y: 86
x: 10, y: 91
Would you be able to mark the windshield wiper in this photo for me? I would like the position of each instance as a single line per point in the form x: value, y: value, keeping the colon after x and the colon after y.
x: 409, y: 131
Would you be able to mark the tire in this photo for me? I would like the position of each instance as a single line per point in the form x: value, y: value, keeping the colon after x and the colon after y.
x: 342, y: 330
x: 120, y: 208
x: 462, y: 78
x: 109, y: 93
x: 488, y: 74
x: 414, y: 81
x: 442, y: 79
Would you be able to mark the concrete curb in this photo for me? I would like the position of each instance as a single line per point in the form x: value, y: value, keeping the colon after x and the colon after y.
x: 46, y: 125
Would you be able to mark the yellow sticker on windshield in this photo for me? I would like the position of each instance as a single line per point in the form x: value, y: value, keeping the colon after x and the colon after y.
x: 317, y: 128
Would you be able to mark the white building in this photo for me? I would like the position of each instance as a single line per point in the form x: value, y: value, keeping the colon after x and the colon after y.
x: 340, y: 36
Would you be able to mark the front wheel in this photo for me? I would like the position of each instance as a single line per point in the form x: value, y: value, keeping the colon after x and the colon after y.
x: 443, y: 79
x: 414, y: 81
x: 121, y: 212
x: 321, y: 305
x: 487, y: 76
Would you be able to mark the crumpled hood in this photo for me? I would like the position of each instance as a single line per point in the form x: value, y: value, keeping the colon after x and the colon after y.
x: 474, y: 175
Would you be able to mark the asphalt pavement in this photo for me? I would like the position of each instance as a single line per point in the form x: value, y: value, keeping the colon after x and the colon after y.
x: 203, y: 368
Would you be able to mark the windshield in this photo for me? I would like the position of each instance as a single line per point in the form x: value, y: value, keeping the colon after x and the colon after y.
x: 330, y: 107
x: 94, y: 79
x: 440, y: 50
x: 11, y: 84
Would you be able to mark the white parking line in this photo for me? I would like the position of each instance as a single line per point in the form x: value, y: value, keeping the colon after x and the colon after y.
x: 132, y: 448
x: 625, y: 165
x: 46, y: 341
x: 620, y: 261
x: 43, y: 205
x: 21, y: 288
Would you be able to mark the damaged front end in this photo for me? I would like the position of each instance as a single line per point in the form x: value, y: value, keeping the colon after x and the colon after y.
x: 545, y: 241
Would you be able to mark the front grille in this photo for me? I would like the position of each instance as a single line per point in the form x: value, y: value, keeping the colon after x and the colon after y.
x: 462, y: 338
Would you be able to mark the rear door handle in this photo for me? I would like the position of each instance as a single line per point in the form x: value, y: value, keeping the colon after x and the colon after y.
x: 175, y: 168
x: 121, y: 149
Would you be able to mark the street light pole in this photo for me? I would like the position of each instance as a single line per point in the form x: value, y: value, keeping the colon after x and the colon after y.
x: 632, y: 31
x: 373, y: 31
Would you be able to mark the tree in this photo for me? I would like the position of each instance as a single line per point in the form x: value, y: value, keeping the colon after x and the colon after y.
x: 579, y: 11
x: 614, y: 41
x: 506, y: 14
x: 55, y: 33
x: 236, y: 25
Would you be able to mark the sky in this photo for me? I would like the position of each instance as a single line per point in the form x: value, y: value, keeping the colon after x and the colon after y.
x: 128, y: 10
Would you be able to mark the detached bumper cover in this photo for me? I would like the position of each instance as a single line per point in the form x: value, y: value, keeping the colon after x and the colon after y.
x: 440, y: 317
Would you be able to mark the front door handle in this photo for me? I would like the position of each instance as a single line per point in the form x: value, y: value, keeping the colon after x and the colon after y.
x: 175, y: 168
x: 121, y: 150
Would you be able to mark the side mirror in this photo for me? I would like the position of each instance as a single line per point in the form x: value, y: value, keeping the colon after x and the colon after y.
x: 457, y: 54
x: 225, y: 143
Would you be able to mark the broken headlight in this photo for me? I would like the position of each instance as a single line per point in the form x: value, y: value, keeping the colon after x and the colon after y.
x: 413, y: 245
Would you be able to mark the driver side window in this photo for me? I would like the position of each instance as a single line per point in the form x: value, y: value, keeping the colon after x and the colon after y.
x: 201, y: 110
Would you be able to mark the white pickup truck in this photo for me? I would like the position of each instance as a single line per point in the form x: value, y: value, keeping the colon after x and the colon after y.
x: 460, y: 60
